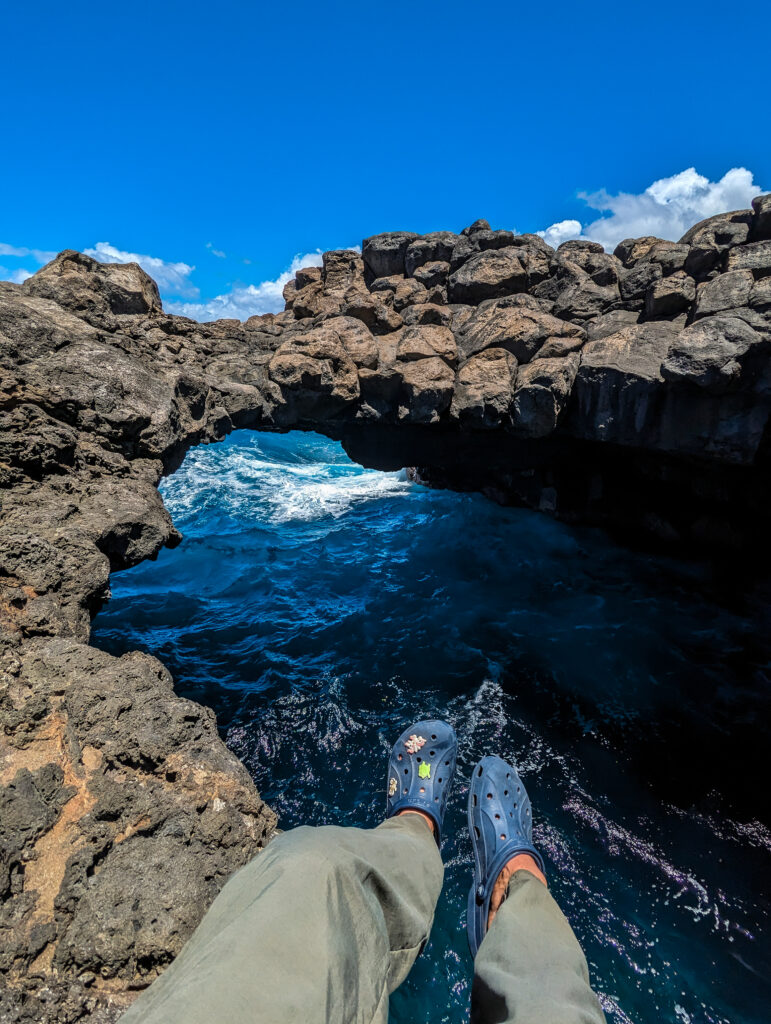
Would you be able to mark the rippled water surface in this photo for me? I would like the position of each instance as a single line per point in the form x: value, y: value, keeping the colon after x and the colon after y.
x: 318, y: 607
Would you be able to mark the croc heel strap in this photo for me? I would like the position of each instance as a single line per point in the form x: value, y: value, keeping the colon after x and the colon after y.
x: 500, y: 821
x: 421, y: 770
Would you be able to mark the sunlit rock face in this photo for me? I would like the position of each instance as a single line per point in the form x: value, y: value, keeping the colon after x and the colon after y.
x: 630, y: 389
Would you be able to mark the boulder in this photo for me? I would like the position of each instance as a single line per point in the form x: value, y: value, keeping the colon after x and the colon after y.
x: 409, y: 293
x: 520, y: 325
x: 755, y: 257
x: 432, y: 274
x: 307, y: 275
x: 726, y: 291
x: 341, y: 269
x: 478, y: 225
x: 632, y: 250
x: 425, y: 342
x: 379, y: 316
x: 426, y: 388
x: 83, y: 285
x: 386, y: 284
x: 602, y: 268
x: 541, y: 394
x: 618, y: 386
x: 761, y: 221
x: 484, y: 389
x: 315, y: 371
x: 670, y: 256
x: 487, y: 275
x: 384, y: 254
x: 611, y: 323
x: 711, y: 238
x: 634, y: 283
x: 709, y: 354
x: 428, y: 313
x: 670, y: 296
x: 432, y: 248
x: 575, y: 294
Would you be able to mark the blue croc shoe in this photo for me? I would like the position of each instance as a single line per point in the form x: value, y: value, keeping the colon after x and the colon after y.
x: 420, y: 771
x: 501, y: 826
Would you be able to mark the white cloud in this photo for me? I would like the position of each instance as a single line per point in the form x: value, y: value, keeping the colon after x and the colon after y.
x: 561, y: 232
x: 173, y: 278
x: 17, y: 276
x: 216, y: 252
x: 40, y: 255
x: 666, y: 209
x: 244, y: 301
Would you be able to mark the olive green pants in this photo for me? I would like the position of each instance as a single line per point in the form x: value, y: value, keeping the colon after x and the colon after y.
x: 323, y: 925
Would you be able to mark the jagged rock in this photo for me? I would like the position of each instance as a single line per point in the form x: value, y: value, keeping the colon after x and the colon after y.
x: 727, y: 291
x: 670, y: 296
x: 711, y: 238
x: 384, y: 254
x: 518, y: 324
x: 484, y: 390
x: 541, y: 394
x: 755, y: 257
x: 710, y: 354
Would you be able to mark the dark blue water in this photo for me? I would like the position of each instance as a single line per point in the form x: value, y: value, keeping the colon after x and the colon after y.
x: 319, y: 607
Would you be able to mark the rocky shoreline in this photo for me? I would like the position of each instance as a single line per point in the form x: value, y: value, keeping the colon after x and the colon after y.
x: 630, y: 390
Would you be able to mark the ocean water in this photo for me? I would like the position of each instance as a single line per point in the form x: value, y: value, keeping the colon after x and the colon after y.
x: 318, y: 607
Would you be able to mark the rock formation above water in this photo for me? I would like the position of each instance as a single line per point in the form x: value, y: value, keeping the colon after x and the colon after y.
x: 630, y: 390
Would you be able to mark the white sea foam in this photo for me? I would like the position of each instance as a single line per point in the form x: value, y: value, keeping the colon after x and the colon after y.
x: 252, y: 483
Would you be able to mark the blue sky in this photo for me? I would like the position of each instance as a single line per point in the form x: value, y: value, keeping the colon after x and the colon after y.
x: 222, y: 140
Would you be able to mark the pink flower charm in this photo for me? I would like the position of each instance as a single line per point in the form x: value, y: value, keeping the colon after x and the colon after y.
x: 414, y: 743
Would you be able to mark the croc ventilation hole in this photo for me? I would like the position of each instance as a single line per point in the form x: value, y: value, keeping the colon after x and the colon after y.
x: 497, y: 817
x: 398, y: 757
x: 432, y: 753
x: 474, y: 798
x: 477, y: 833
x: 406, y: 771
x: 479, y: 771
x: 433, y: 737
x: 502, y: 836
x: 489, y: 796
x: 422, y: 789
